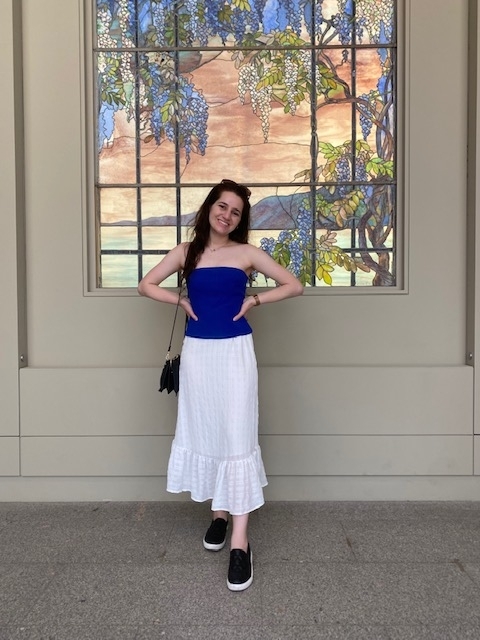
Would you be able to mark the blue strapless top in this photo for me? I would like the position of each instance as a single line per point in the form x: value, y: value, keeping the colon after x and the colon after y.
x: 216, y: 295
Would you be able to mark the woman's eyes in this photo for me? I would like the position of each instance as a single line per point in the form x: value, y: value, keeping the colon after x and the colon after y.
x: 234, y: 212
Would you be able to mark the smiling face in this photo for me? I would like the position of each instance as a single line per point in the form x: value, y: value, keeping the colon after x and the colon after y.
x: 226, y: 213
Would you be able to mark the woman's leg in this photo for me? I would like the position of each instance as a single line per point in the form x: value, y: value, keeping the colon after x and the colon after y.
x: 214, y: 539
x: 239, y: 532
x: 240, y: 569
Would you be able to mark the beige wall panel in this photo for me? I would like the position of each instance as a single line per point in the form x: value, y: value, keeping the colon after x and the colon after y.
x: 9, y: 419
x: 95, y: 402
x: 476, y: 456
x: 85, y: 489
x: 102, y: 456
x: 88, y: 489
x: 367, y: 455
x: 298, y: 400
x: 425, y: 327
x: 373, y: 488
x: 473, y: 228
x: 9, y: 456
x: 366, y: 400
x: 283, y: 455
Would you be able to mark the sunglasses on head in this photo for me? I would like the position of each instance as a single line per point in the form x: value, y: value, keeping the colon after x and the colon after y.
x: 232, y: 183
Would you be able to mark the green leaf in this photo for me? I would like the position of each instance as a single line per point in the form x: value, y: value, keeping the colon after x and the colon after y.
x: 284, y: 258
x: 262, y: 83
x: 225, y: 13
x: 325, y: 147
x: 243, y: 5
x: 364, y: 145
x: 327, y: 278
x: 302, y: 174
x: 165, y: 115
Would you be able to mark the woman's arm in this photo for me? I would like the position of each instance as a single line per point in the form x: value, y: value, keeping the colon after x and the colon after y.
x: 287, y: 285
x: 173, y: 262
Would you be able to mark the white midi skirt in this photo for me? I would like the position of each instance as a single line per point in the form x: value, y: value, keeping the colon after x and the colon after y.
x: 215, y: 453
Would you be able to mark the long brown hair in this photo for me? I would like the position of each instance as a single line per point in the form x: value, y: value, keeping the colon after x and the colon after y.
x: 201, y: 226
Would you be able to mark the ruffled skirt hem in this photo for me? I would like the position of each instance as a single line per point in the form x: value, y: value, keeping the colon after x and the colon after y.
x: 234, y: 485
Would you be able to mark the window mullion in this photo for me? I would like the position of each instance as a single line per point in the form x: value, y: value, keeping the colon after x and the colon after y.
x: 138, y: 163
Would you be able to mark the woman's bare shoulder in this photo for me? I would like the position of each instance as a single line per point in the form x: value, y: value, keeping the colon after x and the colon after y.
x: 252, y: 249
x: 182, y: 248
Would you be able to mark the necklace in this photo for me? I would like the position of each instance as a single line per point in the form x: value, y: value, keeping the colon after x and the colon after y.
x: 222, y: 246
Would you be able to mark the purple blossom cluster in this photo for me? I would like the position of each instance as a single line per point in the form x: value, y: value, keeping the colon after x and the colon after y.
x: 343, y: 175
x: 296, y: 242
x: 192, y: 114
x: 366, y: 121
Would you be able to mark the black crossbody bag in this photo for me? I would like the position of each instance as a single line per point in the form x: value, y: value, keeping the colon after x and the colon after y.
x: 170, y: 376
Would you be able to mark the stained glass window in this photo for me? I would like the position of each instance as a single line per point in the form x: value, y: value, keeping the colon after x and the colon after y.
x: 294, y: 98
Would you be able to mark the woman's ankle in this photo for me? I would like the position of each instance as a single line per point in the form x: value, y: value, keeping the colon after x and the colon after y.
x: 220, y: 514
x: 239, y: 543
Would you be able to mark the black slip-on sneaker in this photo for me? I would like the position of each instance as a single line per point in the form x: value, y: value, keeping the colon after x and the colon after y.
x: 214, y: 539
x: 240, y: 571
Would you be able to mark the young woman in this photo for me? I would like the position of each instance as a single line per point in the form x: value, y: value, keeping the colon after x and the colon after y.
x: 215, y: 454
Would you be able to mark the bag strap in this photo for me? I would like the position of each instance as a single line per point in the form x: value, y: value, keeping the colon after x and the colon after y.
x: 173, y: 326
x: 180, y: 289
